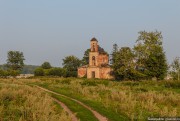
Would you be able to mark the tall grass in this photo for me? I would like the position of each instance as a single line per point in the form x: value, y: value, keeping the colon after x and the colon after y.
x: 136, y: 100
x: 24, y: 103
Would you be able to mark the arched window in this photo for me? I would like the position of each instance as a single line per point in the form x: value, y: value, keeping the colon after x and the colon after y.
x: 93, y: 61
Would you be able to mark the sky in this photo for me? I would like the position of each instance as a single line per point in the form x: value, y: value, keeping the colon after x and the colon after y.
x: 50, y: 30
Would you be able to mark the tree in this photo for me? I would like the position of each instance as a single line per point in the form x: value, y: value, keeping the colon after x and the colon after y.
x: 46, y: 65
x: 175, y: 69
x: 114, y: 52
x: 85, y: 59
x: 124, y: 65
x: 15, y: 60
x: 151, y: 59
x: 71, y: 63
x: 39, y: 72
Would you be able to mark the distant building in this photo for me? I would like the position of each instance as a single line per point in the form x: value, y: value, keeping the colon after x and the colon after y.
x: 98, y: 66
x: 25, y: 76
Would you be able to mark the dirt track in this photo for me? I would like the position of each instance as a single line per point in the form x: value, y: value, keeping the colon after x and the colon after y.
x: 73, y: 116
x: 96, y: 114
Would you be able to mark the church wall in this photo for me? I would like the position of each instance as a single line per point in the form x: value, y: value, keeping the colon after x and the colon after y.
x: 93, y: 69
x: 91, y: 54
x: 82, y: 72
x: 103, y: 59
x: 105, y: 73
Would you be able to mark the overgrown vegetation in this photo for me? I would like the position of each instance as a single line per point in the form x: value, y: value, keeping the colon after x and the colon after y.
x: 121, y: 100
x: 146, y: 60
x: 24, y: 103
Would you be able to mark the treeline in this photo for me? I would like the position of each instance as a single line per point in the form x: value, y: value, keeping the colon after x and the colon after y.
x: 146, y: 60
x: 27, y: 69
x: 70, y: 65
x: 14, y: 65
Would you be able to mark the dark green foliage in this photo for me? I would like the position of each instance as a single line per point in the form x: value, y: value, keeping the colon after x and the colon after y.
x: 124, y: 65
x: 175, y: 69
x: 156, y: 66
x: 6, y: 73
x: 114, y: 52
x: 15, y: 60
x: 146, y: 61
x: 57, y: 72
x: 61, y: 72
x: 71, y: 64
x: 46, y: 65
x: 39, y: 72
x: 151, y: 59
x: 85, y: 59
x: 71, y: 74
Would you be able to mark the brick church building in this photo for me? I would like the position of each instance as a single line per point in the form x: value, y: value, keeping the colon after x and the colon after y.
x: 98, y: 66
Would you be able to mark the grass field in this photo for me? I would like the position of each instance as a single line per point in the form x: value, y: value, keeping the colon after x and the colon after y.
x: 115, y: 100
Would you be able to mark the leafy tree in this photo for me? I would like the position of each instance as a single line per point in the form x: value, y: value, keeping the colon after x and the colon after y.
x: 85, y: 59
x: 124, y: 65
x: 46, y: 65
x: 175, y: 69
x: 151, y: 59
x: 39, y: 72
x: 71, y: 63
x: 15, y: 60
x: 114, y: 52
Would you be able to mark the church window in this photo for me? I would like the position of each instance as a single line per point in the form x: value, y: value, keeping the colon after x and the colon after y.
x: 93, y: 61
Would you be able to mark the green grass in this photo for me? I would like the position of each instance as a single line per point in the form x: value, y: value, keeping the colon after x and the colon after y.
x: 109, y: 113
x: 125, y: 100
x: 81, y: 112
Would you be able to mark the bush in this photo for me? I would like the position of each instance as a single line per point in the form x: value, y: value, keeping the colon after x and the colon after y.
x: 61, y: 72
x: 39, y: 72
x: 6, y: 73
x: 57, y: 72
x: 71, y: 74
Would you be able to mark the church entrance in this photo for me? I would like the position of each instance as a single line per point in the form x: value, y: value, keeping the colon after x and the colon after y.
x: 93, y: 74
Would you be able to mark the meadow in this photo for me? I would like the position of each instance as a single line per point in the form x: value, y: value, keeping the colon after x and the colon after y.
x: 126, y: 100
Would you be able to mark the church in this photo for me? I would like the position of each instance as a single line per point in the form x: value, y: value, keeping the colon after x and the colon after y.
x: 98, y: 66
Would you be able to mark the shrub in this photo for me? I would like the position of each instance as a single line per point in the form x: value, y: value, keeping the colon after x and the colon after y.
x: 57, y: 72
x: 39, y: 72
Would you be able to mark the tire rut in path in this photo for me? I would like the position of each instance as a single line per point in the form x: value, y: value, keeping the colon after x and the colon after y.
x: 96, y: 114
x: 73, y: 116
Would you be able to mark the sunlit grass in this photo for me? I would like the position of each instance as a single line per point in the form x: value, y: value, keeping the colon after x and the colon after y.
x: 119, y: 100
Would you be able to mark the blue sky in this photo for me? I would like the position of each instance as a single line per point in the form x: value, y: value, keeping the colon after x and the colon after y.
x: 49, y: 30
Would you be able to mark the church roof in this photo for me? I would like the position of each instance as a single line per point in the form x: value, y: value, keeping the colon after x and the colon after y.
x: 94, y: 39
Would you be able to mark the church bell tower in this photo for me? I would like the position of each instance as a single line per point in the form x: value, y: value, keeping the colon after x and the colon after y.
x: 93, y: 55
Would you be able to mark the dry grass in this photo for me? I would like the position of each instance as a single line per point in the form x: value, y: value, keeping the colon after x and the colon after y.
x: 24, y: 103
x: 137, y: 100
x: 134, y: 100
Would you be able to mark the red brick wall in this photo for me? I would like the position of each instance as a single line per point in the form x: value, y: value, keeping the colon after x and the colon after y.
x: 105, y: 73
x: 82, y: 72
x: 103, y: 59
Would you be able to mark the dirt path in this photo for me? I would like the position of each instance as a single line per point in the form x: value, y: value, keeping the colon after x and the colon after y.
x: 73, y: 116
x: 96, y: 114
